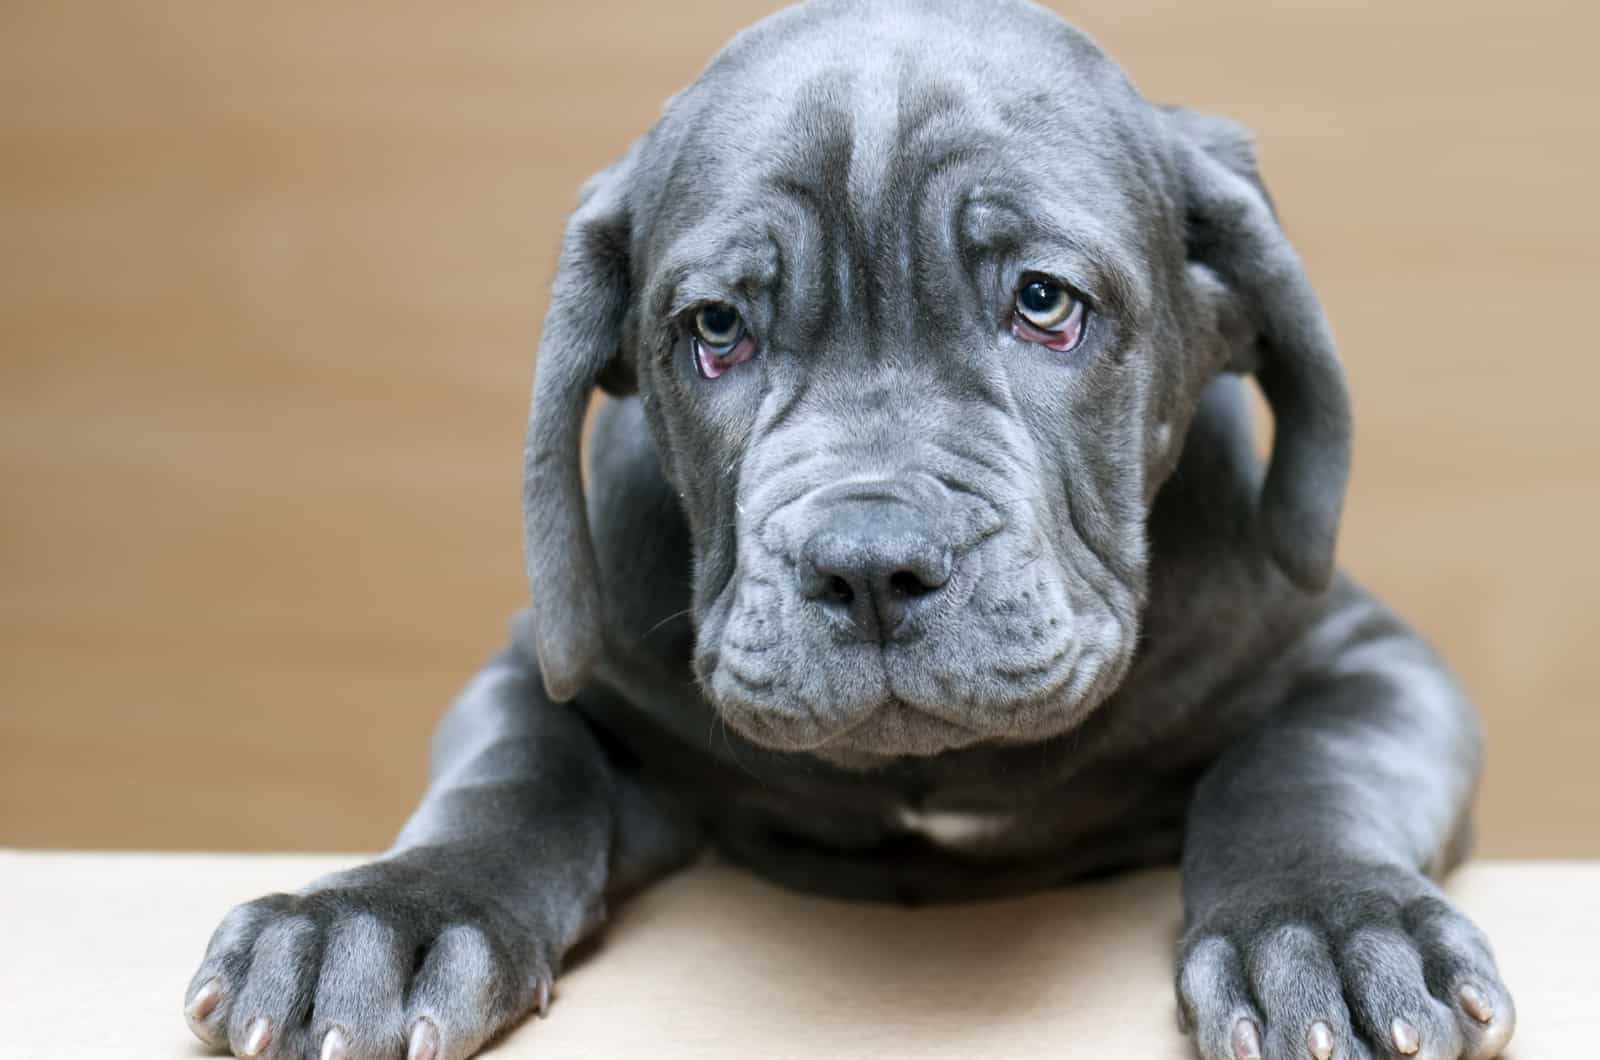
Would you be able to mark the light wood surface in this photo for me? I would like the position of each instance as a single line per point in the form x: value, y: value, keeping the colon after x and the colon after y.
x: 271, y: 278
x: 714, y: 963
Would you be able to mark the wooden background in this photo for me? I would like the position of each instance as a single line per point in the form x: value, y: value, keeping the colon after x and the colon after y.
x: 271, y: 277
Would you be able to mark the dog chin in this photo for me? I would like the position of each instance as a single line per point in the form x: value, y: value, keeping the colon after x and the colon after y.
x: 872, y: 737
x: 895, y: 730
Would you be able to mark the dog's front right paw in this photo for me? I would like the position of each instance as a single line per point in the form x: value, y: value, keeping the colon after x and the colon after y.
x: 384, y: 962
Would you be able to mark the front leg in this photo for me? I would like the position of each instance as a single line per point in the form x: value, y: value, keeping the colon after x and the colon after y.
x: 1313, y: 928
x: 458, y: 931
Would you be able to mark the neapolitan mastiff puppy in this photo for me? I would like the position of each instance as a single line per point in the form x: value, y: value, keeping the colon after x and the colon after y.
x: 927, y: 559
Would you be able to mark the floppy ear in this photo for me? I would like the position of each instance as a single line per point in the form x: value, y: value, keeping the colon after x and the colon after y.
x: 580, y: 348
x: 1233, y: 233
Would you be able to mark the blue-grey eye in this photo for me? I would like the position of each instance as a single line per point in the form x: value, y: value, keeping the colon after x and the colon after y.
x: 718, y: 325
x: 1045, y: 304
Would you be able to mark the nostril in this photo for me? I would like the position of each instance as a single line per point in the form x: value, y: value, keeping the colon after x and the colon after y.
x: 906, y: 583
x: 839, y: 590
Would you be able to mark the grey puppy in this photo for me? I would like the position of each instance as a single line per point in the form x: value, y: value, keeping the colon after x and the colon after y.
x: 929, y: 560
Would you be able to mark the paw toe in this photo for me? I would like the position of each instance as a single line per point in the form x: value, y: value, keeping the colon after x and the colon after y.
x: 205, y: 1011
x: 1297, y: 985
x: 1461, y: 975
x: 1486, y: 1017
x: 360, y: 987
x: 275, y: 996
x: 1387, y: 994
x: 464, y: 989
x: 1214, y: 1001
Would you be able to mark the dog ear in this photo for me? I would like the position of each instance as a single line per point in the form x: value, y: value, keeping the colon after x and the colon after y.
x: 578, y: 350
x: 1233, y: 232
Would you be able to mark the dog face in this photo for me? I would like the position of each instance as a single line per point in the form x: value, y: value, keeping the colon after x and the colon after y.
x: 919, y: 333
x: 915, y: 458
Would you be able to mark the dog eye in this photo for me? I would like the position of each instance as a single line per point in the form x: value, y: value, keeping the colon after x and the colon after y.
x: 1045, y: 304
x: 718, y: 326
x: 720, y: 339
x: 1048, y: 313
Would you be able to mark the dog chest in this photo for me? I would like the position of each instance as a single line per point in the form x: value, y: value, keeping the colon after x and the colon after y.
x: 953, y: 828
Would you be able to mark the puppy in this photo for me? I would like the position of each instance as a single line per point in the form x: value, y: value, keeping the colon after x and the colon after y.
x: 925, y: 557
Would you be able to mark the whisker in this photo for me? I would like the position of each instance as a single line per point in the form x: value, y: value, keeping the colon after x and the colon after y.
x: 732, y: 752
x: 672, y: 617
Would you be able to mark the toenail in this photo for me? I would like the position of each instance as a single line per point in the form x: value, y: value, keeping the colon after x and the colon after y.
x: 1320, y: 1040
x: 1246, y: 1040
x: 335, y: 1046
x: 256, y: 1036
x: 1405, y: 1036
x: 424, y: 1043
x: 1476, y: 1004
x: 541, y: 997
x: 204, y: 1002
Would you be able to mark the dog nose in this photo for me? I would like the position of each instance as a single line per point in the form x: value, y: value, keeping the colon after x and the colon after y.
x: 875, y: 562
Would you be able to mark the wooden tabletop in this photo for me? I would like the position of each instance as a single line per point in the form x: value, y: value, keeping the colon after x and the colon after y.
x: 99, y: 948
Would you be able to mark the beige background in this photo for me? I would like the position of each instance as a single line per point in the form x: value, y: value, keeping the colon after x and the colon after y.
x: 271, y: 277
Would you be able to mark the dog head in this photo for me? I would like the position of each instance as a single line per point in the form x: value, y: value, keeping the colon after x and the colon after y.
x: 919, y: 299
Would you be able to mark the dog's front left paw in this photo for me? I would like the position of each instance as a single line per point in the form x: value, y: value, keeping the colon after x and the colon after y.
x: 1323, y: 969
x: 383, y: 962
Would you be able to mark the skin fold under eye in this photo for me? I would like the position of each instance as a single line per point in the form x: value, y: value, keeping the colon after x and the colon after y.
x: 720, y: 339
x: 1048, y: 313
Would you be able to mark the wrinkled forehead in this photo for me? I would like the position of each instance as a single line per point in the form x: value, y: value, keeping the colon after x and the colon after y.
x: 854, y: 172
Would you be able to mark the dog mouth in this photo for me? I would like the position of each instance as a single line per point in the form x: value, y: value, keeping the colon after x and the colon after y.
x: 896, y: 712
x: 895, y: 724
x: 891, y: 727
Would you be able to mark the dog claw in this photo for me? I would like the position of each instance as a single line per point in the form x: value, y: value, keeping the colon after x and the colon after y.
x: 334, y: 1045
x: 1320, y: 1040
x: 541, y: 998
x: 1246, y: 1040
x: 1406, y: 1038
x: 424, y: 1043
x: 204, y: 1002
x: 1476, y: 1004
x: 257, y: 1036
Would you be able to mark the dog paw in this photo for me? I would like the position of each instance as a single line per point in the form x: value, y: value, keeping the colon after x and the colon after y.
x: 384, y: 962
x: 1368, y: 969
